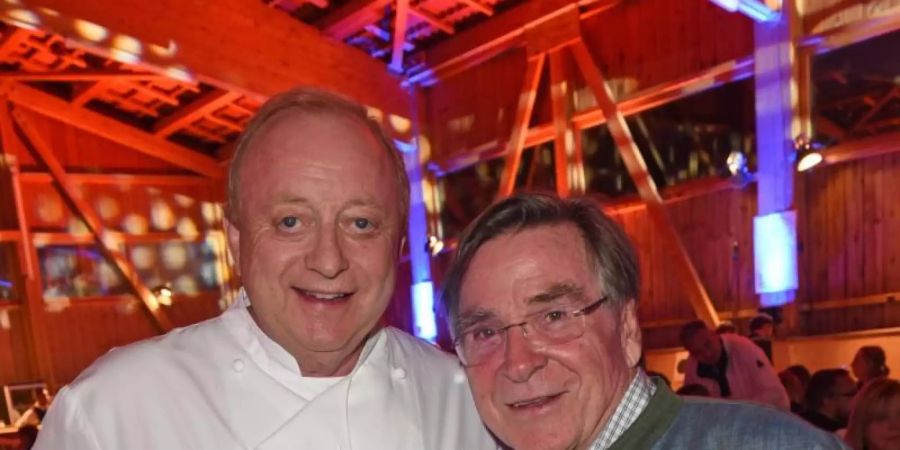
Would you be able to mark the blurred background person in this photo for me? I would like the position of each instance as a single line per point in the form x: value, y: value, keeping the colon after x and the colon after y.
x: 869, y: 363
x: 828, y: 399
x: 875, y: 420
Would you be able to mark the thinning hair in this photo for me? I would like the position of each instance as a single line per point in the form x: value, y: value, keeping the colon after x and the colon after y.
x: 311, y: 102
x: 872, y: 403
x: 876, y: 358
x: 609, y: 250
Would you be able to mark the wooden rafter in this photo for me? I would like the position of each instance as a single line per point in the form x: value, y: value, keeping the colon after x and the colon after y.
x: 881, y: 144
x: 516, y: 141
x: 637, y: 168
x: 478, y: 6
x: 78, y: 75
x: 205, y: 104
x: 113, y: 130
x: 431, y: 19
x: 30, y: 279
x: 351, y: 17
x: 756, y: 10
x: 230, y: 54
x: 635, y: 103
x: 70, y: 192
x: 875, y: 109
x: 400, y: 17
x: 482, y: 42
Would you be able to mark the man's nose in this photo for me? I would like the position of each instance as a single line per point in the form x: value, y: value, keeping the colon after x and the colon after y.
x: 327, y: 255
x: 521, y: 360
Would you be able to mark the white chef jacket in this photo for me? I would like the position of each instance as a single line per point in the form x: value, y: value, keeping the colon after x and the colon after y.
x: 749, y: 373
x: 223, y: 384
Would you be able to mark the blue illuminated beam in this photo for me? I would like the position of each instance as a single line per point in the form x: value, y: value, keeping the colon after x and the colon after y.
x: 775, y: 257
x: 755, y: 9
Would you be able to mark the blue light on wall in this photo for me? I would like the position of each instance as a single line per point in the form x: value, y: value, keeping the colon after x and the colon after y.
x: 423, y: 311
x: 775, y: 255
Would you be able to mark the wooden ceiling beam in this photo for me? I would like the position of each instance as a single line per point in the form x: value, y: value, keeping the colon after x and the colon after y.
x: 400, y: 19
x: 353, y: 16
x: 431, y: 19
x: 482, y: 42
x: 478, y: 6
x: 79, y: 75
x: 205, y: 104
x: 233, y: 44
x: 70, y: 192
x: 96, y: 123
x: 881, y: 144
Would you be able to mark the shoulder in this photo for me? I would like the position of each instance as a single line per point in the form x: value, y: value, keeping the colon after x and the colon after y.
x: 736, y: 341
x: 406, y: 346
x: 151, y: 360
x: 742, y: 424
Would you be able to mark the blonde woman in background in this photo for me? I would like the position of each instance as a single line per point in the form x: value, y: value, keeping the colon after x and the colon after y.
x: 875, y: 420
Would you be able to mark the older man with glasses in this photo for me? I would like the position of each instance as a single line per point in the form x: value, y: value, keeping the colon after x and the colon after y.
x: 542, y: 301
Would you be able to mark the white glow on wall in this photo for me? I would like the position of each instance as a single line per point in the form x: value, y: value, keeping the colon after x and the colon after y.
x: 775, y: 252
x: 423, y: 311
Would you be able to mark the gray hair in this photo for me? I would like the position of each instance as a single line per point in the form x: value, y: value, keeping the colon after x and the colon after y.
x: 608, y: 248
x: 313, y: 102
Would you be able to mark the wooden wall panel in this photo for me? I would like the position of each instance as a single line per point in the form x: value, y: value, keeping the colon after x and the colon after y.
x: 475, y: 107
x: 14, y: 365
x: 849, y: 214
x: 643, y: 43
x: 85, y: 330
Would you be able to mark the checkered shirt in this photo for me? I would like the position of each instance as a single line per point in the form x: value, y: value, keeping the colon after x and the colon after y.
x: 633, y: 403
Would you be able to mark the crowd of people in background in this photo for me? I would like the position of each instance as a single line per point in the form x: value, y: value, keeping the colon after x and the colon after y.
x: 861, y: 405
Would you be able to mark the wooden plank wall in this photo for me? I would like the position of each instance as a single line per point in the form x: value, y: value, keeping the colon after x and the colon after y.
x: 639, y: 44
x: 80, y: 330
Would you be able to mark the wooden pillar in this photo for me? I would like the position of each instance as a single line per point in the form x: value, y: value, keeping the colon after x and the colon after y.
x: 29, y: 281
x: 777, y: 125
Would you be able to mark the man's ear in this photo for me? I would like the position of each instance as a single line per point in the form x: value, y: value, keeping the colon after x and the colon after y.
x: 233, y: 235
x: 630, y: 333
x: 400, y: 247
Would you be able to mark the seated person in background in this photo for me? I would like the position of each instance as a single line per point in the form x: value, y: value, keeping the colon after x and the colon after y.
x: 801, y: 372
x: 318, y: 201
x: 693, y: 390
x: 875, y: 420
x: 762, y: 330
x: 794, y: 388
x: 731, y: 366
x: 827, y: 400
x: 541, y: 299
x: 869, y: 363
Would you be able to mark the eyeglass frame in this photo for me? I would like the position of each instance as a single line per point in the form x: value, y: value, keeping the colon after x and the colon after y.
x: 580, y: 312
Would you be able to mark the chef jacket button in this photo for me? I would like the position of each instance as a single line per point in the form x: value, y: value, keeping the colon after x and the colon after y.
x: 398, y: 373
x: 459, y: 377
x: 238, y: 365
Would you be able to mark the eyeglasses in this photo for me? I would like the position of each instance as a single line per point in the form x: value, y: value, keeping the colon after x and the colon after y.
x: 553, y: 326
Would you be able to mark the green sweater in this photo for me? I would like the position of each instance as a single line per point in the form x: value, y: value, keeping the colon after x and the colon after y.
x: 673, y: 423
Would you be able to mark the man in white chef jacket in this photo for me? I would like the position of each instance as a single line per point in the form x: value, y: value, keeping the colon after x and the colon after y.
x: 317, y: 207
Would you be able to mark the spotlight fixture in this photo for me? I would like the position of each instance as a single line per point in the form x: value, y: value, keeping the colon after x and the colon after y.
x: 737, y: 169
x: 808, y: 154
x: 163, y: 294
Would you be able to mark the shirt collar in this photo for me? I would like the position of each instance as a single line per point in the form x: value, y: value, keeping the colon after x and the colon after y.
x: 633, y: 403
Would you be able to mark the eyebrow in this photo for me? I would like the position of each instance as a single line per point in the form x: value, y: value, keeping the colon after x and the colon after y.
x: 469, y: 318
x: 555, y: 292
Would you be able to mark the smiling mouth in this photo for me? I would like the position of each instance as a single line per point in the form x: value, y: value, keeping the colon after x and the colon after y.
x: 534, y: 403
x: 326, y: 297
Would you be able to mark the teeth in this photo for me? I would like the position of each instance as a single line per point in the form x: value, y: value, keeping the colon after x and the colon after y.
x: 323, y: 296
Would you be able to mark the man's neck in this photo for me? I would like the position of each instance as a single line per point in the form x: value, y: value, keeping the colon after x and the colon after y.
x: 335, y: 363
